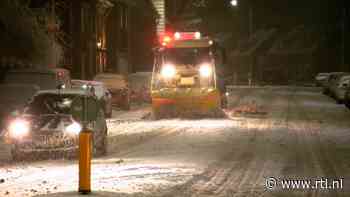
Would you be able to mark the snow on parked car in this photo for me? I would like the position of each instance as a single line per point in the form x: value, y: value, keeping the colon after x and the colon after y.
x: 118, y: 87
x: 46, y: 126
x: 140, y: 84
x: 101, y: 92
x: 341, y: 87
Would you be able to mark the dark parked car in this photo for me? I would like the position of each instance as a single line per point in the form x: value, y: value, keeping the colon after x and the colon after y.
x: 332, y: 80
x: 139, y: 85
x: 340, y: 89
x: 101, y: 92
x: 347, y: 98
x: 47, y: 126
x: 118, y: 87
x: 334, y: 84
x: 321, y: 79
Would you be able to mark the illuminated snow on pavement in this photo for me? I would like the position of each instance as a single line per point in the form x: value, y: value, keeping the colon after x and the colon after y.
x: 303, y: 134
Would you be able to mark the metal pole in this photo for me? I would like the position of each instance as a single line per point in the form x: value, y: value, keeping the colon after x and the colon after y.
x: 251, y: 29
x: 85, y: 144
x: 251, y: 22
x: 343, y: 39
x: 53, y: 18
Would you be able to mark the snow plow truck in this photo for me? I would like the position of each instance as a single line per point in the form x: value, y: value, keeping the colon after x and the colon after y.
x: 184, y: 82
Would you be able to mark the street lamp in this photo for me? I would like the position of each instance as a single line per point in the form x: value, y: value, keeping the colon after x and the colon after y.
x: 99, y: 44
x: 234, y: 3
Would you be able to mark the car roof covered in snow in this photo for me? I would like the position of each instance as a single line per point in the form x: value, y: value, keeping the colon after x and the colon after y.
x: 111, y: 80
x: 108, y: 76
x: 82, y: 82
x: 63, y: 91
x: 345, y: 77
x: 319, y: 74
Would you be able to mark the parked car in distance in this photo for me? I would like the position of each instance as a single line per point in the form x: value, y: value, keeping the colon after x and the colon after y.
x: 333, y: 85
x: 13, y: 97
x: 321, y: 78
x: 118, y: 87
x: 101, y: 92
x: 45, y: 78
x: 139, y: 84
x: 46, y: 126
x: 340, y: 88
x: 347, y: 98
x: 331, y: 81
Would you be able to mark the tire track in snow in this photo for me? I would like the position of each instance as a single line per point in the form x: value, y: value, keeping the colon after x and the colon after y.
x: 319, y: 156
x: 234, y: 170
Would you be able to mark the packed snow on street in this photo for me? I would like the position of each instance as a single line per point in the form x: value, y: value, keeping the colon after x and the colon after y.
x: 284, y: 133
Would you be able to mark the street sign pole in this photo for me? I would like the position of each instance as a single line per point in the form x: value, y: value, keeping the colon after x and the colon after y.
x: 85, y: 110
x: 85, y: 161
x: 85, y: 153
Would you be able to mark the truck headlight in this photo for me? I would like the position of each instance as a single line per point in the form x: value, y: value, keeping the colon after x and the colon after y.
x: 19, y: 128
x: 168, y: 71
x: 73, y: 129
x: 205, y: 70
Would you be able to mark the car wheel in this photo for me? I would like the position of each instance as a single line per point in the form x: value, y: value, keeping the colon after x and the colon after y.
x: 101, y: 144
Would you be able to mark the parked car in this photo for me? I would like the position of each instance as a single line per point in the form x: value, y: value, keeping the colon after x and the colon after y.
x: 331, y: 81
x: 333, y: 85
x: 347, y: 97
x: 46, y: 125
x: 321, y: 78
x: 101, y: 92
x: 12, y: 98
x: 118, y: 87
x: 139, y: 84
x: 341, y: 87
x: 45, y: 78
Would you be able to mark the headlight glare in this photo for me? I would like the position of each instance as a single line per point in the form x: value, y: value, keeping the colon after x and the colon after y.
x: 168, y: 71
x: 205, y: 70
x: 73, y: 129
x: 18, y: 128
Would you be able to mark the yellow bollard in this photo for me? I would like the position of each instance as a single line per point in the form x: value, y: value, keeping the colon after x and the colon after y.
x: 85, y: 161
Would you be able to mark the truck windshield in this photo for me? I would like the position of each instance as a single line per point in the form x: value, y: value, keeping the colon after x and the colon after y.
x: 187, y: 56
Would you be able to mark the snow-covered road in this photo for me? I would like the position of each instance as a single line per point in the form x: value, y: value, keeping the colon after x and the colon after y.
x: 301, y: 135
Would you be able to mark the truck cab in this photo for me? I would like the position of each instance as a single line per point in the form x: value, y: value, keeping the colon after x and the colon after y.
x: 184, y: 77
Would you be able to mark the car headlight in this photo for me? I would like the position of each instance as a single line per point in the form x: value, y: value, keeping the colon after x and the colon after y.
x: 18, y: 128
x: 168, y: 71
x: 73, y: 129
x: 205, y: 70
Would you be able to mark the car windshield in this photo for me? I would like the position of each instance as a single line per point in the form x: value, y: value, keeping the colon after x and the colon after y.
x: 50, y: 104
x: 187, y: 56
x: 44, y: 81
